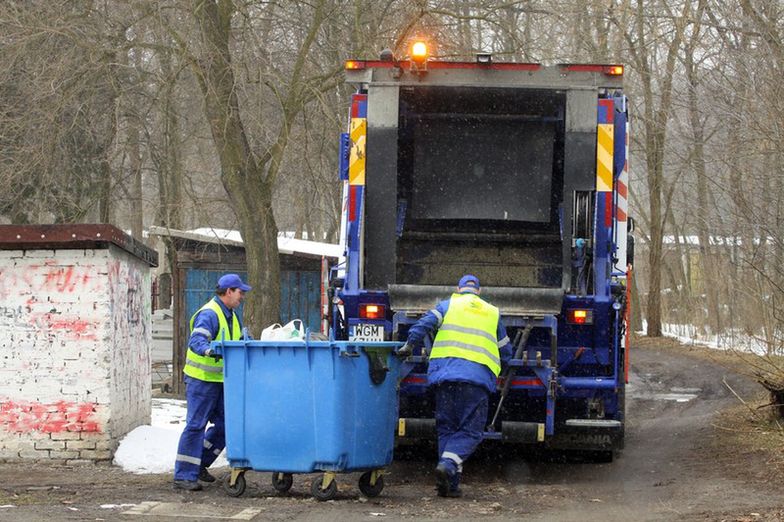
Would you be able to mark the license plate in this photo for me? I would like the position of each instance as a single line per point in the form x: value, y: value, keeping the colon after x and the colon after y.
x: 367, y: 332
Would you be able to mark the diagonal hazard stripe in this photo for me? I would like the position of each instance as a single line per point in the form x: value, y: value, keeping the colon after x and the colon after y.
x: 604, y: 157
x: 356, y: 166
x: 622, y: 191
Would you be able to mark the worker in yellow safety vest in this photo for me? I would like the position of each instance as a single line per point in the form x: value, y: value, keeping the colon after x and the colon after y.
x: 465, y: 360
x: 216, y: 320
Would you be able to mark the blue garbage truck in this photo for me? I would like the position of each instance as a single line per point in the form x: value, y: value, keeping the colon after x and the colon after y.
x: 516, y: 173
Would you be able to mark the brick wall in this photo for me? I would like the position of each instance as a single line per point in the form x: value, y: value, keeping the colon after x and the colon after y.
x: 75, y: 371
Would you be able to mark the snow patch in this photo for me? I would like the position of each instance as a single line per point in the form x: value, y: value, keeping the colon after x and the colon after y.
x: 730, y: 340
x: 152, y: 449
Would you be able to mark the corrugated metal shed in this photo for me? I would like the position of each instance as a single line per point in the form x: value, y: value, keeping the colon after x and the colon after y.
x: 202, y: 257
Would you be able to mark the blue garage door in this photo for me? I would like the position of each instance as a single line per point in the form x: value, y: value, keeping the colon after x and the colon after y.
x: 300, y: 294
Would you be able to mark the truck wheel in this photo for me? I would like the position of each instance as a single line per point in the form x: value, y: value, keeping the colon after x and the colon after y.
x: 368, y: 489
x: 323, y: 494
x: 282, y: 482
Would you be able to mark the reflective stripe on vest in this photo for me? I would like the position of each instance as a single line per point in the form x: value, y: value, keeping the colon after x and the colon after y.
x: 469, y: 332
x: 206, y: 368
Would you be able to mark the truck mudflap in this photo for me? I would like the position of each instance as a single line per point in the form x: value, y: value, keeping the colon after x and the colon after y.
x: 528, y: 301
x: 588, y: 435
x: 577, y: 434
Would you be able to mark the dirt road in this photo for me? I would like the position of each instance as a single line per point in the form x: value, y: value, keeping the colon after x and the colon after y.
x: 669, y: 470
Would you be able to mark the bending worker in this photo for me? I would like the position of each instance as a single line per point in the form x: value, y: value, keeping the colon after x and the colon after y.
x: 204, y: 384
x: 464, y: 363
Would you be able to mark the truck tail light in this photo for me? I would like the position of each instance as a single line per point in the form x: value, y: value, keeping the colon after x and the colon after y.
x: 354, y: 65
x: 609, y: 70
x: 372, y: 311
x: 579, y: 316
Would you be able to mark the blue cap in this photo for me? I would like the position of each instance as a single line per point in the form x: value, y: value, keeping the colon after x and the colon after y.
x: 232, y: 281
x: 468, y: 283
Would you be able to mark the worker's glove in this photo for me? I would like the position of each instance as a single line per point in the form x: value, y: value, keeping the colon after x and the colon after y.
x: 210, y: 353
x: 405, y: 350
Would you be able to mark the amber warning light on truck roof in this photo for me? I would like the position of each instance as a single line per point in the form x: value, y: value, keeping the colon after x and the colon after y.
x: 419, y: 51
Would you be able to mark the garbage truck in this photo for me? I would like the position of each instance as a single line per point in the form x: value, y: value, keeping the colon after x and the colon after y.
x: 516, y: 173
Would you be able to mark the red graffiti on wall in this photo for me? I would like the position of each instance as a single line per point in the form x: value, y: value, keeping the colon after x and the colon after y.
x: 56, y: 417
x: 49, y: 279
x: 70, y: 327
x: 65, y: 279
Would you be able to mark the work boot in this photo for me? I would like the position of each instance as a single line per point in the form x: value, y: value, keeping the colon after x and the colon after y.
x: 205, y: 476
x: 454, y: 486
x: 445, y: 471
x: 188, y: 485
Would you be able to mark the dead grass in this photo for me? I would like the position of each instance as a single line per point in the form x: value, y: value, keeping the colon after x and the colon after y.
x: 742, y: 363
x: 746, y: 439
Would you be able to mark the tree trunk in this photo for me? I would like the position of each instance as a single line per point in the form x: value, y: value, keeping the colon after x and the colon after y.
x: 710, y: 282
x: 249, y: 190
x: 655, y: 123
x: 135, y: 165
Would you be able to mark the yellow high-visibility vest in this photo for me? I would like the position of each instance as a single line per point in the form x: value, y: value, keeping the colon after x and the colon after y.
x: 203, y: 367
x: 469, y: 331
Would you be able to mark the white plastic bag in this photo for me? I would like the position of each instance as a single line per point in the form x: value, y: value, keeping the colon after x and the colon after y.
x: 291, y: 331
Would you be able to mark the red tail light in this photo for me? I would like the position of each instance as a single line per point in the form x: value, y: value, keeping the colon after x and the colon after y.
x: 353, y: 65
x: 372, y: 311
x: 609, y: 70
x: 579, y: 316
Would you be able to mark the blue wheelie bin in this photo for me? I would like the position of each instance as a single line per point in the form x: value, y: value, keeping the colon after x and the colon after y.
x: 303, y: 407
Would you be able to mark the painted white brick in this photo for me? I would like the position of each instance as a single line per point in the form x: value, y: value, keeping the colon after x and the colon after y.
x: 95, y: 454
x: 107, y: 444
x: 11, y: 254
x: 49, y: 444
x: 80, y: 462
x: 39, y: 254
x: 8, y: 454
x: 66, y: 435
x: 65, y: 454
x: 76, y: 329
x: 80, y: 444
x: 33, y: 454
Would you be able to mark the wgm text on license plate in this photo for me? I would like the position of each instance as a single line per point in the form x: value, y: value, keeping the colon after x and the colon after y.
x: 367, y: 332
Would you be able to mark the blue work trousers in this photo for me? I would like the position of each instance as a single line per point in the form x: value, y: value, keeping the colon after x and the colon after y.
x: 198, y: 449
x: 461, y: 416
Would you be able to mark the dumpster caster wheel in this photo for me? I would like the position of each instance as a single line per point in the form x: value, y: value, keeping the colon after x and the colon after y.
x: 282, y: 482
x: 237, y: 489
x: 321, y: 493
x: 368, y: 489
